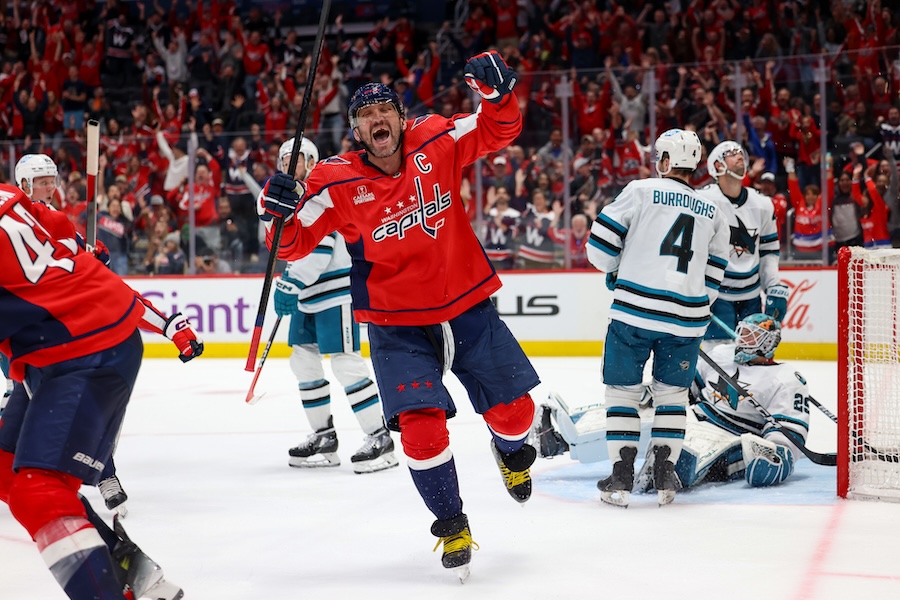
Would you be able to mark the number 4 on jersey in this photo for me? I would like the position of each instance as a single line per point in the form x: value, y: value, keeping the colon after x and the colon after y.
x: 683, y: 229
x: 34, y: 256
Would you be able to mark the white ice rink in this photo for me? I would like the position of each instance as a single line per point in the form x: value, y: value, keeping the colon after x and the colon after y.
x: 213, y: 500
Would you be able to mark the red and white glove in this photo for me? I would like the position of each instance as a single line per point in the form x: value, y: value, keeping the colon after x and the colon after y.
x: 178, y: 329
x: 99, y: 250
x: 489, y: 75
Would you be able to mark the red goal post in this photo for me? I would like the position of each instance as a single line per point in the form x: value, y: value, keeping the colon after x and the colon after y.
x: 868, y: 374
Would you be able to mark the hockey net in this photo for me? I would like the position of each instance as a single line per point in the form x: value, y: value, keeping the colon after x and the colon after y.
x: 868, y: 374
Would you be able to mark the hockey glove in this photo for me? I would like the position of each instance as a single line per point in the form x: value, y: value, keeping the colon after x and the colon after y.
x: 776, y: 301
x: 489, y: 75
x: 100, y: 251
x: 611, y: 279
x: 767, y: 463
x: 178, y: 329
x: 286, y: 291
x: 282, y: 195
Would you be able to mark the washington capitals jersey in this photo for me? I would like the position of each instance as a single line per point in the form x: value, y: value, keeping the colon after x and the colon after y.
x: 776, y: 386
x: 754, y: 248
x: 416, y: 258
x: 50, y: 292
x: 670, y: 248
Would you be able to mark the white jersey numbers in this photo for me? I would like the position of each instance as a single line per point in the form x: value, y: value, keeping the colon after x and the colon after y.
x: 34, y: 256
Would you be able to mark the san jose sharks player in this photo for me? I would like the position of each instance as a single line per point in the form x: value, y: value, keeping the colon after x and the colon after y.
x: 422, y: 281
x: 314, y: 292
x: 726, y: 439
x: 664, y: 249
x: 753, y: 257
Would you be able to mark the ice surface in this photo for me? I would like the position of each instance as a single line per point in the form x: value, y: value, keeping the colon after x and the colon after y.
x: 212, y: 499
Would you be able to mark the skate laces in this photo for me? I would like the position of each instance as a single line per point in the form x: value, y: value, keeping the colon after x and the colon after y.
x: 456, y: 542
x: 514, y: 478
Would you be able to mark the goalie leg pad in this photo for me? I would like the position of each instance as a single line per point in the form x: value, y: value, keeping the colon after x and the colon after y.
x: 767, y: 463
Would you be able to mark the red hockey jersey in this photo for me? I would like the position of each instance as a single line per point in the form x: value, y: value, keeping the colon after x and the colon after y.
x: 47, y: 289
x: 416, y: 259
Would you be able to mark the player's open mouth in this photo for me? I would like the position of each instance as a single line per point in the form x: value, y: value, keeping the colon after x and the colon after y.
x: 380, y: 136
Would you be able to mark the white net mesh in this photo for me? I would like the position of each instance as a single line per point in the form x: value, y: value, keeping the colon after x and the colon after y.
x: 873, y: 356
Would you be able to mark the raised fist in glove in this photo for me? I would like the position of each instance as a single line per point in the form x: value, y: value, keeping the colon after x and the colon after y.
x: 281, y: 196
x: 100, y: 251
x: 178, y: 329
x: 489, y: 75
x: 286, y: 291
x: 776, y: 301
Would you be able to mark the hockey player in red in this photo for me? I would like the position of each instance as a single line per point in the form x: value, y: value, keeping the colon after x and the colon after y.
x: 422, y: 281
x: 69, y: 327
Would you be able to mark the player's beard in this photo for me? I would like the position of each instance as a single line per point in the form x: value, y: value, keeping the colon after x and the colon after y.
x: 396, y: 132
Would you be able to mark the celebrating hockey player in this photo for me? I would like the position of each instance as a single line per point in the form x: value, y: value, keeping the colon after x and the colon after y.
x: 69, y: 327
x: 314, y: 292
x: 753, y: 257
x: 726, y: 438
x: 38, y: 177
x: 422, y: 282
x: 664, y: 249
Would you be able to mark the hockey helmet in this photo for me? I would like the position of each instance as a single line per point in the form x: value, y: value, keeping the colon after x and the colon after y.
x: 682, y: 147
x: 757, y: 337
x: 719, y: 154
x: 31, y: 166
x: 307, y: 149
x: 369, y: 94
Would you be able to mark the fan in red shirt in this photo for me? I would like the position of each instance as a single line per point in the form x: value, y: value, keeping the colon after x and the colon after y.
x: 421, y: 280
x: 780, y: 202
x: 207, y: 189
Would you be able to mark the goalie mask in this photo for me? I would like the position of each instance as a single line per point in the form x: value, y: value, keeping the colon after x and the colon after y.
x: 32, y: 166
x: 373, y: 93
x: 308, y: 151
x: 757, y: 337
x: 682, y: 147
x: 719, y: 154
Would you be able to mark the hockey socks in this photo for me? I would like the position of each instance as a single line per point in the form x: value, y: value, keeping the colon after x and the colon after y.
x: 438, y: 485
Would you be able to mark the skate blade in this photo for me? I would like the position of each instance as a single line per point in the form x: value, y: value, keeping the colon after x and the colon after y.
x: 618, y: 498
x: 163, y: 590
x: 383, y: 462
x: 122, y: 511
x: 318, y: 462
x: 665, y: 496
x: 462, y: 573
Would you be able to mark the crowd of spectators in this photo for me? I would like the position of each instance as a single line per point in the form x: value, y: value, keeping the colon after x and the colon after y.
x: 195, y: 98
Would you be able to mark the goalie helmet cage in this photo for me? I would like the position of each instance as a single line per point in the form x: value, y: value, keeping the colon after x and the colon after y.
x: 868, y: 374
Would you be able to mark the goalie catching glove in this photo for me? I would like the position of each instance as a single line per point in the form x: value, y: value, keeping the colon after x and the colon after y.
x: 286, y: 292
x: 776, y: 301
x: 489, y: 75
x: 281, y: 196
x: 178, y: 329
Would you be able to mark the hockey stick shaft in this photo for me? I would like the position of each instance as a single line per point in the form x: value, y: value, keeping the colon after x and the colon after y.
x: 279, y: 223
x: 92, y: 157
x: 251, y: 398
x: 828, y: 460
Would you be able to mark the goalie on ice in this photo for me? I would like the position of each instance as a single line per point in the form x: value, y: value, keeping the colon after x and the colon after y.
x: 725, y: 439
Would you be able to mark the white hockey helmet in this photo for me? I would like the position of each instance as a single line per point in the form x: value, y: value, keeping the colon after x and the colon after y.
x: 307, y: 149
x: 757, y: 337
x: 681, y: 146
x: 719, y: 154
x: 31, y: 166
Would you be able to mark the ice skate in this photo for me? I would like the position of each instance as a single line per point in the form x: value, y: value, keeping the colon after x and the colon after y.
x: 319, y: 450
x: 458, y: 545
x: 515, y: 469
x: 113, y: 495
x: 664, y: 478
x: 142, y: 577
x: 549, y: 441
x: 616, y: 489
x: 376, y: 453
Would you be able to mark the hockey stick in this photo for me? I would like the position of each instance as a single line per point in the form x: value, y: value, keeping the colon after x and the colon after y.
x: 92, y: 158
x: 828, y: 460
x: 878, y: 454
x: 279, y: 223
x: 251, y: 398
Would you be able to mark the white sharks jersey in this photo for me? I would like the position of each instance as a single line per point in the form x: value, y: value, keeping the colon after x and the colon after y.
x: 776, y: 386
x: 324, y: 275
x: 753, y: 257
x: 670, y: 249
